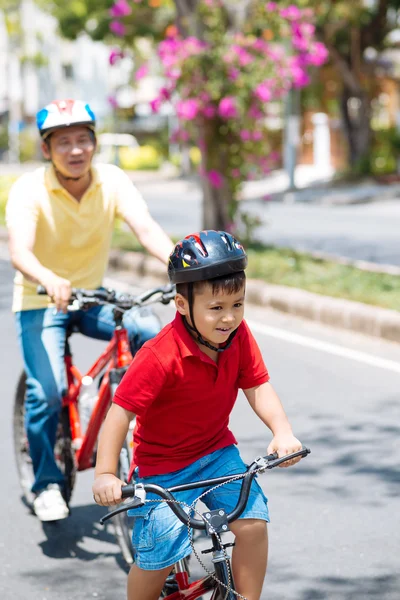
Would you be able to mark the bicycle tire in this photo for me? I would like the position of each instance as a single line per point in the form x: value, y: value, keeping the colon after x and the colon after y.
x: 63, y: 450
x: 122, y: 529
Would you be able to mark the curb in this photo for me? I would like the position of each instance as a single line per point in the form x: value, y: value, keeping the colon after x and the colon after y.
x: 336, y: 312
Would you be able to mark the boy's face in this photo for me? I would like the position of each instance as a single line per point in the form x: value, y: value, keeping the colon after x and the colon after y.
x: 216, y: 316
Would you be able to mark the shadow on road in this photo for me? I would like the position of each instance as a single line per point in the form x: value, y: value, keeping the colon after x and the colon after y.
x: 384, y: 587
x: 68, y: 538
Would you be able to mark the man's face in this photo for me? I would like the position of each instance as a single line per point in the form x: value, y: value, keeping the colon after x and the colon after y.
x: 216, y: 315
x: 71, y: 150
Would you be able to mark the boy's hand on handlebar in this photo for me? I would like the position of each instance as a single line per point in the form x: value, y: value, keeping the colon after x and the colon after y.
x: 107, y: 490
x: 59, y: 290
x: 285, y: 443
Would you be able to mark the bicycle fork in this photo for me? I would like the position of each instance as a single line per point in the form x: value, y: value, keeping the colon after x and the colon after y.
x: 223, y: 572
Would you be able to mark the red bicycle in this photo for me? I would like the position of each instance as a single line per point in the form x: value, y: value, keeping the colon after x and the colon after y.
x: 75, y: 450
x: 213, y: 522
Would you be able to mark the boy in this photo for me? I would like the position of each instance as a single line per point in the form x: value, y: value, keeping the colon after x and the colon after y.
x: 182, y: 385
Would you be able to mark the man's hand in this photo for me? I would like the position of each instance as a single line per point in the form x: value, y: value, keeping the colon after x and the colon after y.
x: 59, y: 289
x: 285, y: 443
x: 107, y: 489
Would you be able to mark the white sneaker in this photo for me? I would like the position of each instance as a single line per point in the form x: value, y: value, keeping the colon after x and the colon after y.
x: 49, y: 504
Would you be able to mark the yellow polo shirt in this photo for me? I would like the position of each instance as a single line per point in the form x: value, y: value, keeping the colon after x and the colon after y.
x: 72, y: 238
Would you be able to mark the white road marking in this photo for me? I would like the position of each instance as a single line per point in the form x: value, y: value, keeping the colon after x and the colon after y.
x: 308, y: 342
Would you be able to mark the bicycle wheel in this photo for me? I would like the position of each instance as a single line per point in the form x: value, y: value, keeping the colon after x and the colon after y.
x: 122, y: 529
x: 62, y: 451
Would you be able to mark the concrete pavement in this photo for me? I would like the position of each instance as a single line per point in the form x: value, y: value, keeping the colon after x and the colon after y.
x: 333, y: 524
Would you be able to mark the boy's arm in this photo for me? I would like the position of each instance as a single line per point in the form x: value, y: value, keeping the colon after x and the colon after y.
x: 267, y: 406
x: 107, y: 487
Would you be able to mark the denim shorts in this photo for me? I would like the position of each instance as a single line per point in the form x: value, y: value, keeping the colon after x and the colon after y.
x: 159, y: 539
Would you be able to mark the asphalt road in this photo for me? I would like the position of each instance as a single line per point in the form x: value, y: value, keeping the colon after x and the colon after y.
x: 359, y: 231
x: 334, y: 530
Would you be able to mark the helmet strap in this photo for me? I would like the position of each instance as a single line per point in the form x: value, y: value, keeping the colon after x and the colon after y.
x: 194, y: 329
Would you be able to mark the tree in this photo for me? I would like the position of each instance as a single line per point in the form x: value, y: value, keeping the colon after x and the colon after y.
x: 224, y: 63
x: 349, y: 30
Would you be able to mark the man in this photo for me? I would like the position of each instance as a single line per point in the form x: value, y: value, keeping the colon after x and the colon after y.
x: 60, y: 221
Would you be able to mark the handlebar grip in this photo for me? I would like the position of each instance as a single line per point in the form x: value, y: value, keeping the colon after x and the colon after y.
x: 271, y: 456
x: 128, y: 490
x: 41, y: 290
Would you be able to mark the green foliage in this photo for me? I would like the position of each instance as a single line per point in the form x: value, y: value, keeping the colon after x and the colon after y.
x: 385, y: 151
x: 141, y: 158
x: 283, y: 266
x: 93, y: 17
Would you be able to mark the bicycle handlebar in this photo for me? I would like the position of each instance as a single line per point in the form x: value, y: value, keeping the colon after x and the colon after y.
x: 260, y: 465
x: 82, y: 298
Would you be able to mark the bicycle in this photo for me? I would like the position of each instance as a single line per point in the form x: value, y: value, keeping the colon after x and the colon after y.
x: 213, y: 522
x: 75, y: 450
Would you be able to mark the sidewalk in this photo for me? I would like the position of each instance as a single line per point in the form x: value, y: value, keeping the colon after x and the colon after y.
x: 312, y: 185
x: 316, y: 187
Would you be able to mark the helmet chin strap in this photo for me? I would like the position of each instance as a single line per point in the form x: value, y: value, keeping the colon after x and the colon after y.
x: 193, y: 327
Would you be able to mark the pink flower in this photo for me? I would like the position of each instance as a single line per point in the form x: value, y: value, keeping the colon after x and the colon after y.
x: 179, y: 135
x: 112, y: 101
x: 141, y: 72
x: 257, y: 136
x: 235, y: 173
x: 118, y: 28
x: 245, y: 135
x: 155, y: 105
x: 187, y: 109
x: 244, y: 57
x: 120, y: 9
x: 215, y: 178
x: 165, y: 93
x: 293, y: 13
x: 227, y: 108
x: 263, y: 92
x: 271, y: 6
x: 318, y: 55
x: 255, y: 112
x: 233, y: 74
x: 115, y: 55
x: 300, y: 76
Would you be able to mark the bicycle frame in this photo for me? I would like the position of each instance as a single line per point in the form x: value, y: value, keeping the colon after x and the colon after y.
x: 191, y: 591
x: 117, y: 355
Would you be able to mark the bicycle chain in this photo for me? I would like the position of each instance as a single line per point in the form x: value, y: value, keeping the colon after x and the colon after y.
x: 192, y: 508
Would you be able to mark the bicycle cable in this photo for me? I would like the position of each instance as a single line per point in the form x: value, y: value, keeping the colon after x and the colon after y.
x: 192, y: 509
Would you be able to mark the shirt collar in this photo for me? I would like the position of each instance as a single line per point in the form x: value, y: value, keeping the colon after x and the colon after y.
x: 53, y: 184
x: 186, y: 343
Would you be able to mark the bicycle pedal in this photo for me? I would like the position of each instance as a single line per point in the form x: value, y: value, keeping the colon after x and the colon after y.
x: 209, y: 550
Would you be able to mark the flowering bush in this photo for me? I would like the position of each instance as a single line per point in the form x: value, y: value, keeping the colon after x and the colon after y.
x: 230, y: 79
x: 223, y: 81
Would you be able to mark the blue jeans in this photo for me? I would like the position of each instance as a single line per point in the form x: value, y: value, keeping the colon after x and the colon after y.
x: 42, y: 335
x: 159, y: 538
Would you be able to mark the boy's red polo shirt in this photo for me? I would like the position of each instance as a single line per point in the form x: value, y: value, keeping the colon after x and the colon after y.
x: 183, y: 399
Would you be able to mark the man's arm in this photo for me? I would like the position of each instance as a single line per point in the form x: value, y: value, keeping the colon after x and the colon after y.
x: 267, y: 406
x: 107, y: 486
x: 132, y: 208
x: 149, y: 233
x: 21, y: 243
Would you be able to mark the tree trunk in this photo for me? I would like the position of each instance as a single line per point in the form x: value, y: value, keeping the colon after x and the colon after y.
x: 217, y: 199
x: 215, y: 206
x: 356, y: 118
